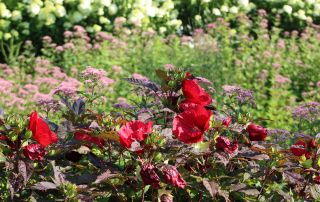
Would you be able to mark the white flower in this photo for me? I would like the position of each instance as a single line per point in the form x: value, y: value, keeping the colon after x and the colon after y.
x: 301, y: 14
x: 106, y: 3
x: 113, y: 9
x: 216, y: 11
x: 60, y: 11
x: 104, y: 20
x: 234, y: 9
x: 162, y: 30
x: 161, y: 12
x: 34, y: 9
x: 50, y: 19
x: 287, y: 9
x: 197, y: 17
x: 100, y: 11
x: 151, y: 11
x: 174, y: 23
x: 311, y: 1
x: 16, y: 15
x: 58, y: 1
x: 168, y: 5
x: 244, y: 3
x: 96, y: 28
x: 224, y: 8
x: 85, y: 6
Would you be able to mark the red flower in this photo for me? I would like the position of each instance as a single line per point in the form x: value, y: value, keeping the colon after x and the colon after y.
x: 41, y: 131
x: 190, y: 125
x: 149, y: 175
x: 227, y: 121
x: 194, y: 94
x: 134, y: 131
x: 317, y: 179
x: 224, y: 144
x: 256, y: 133
x: 300, y: 149
x: 312, y: 143
x: 173, y: 177
x: 81, y: 136
x: 188, y: 75
x: 3, y: 137
x: 34, y: 152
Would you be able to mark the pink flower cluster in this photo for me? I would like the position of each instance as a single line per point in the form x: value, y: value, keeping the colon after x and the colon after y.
x: 96, y: 76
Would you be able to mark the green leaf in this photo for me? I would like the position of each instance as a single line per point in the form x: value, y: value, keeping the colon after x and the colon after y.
x: 307, y: 163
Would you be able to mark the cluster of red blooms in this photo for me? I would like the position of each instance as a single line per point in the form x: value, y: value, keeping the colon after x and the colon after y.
x: 302, y: 148
x: 189, y: 127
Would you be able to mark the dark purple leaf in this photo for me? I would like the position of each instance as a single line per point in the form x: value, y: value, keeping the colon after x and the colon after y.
x: 104, y: 176
x: 222, y: 158
x: 236, y: 187
x: 78, y: 107
x: 54, y: 127
x: 250, y: 192
x: 293, y: 178
x: 23, y: 171
x: 58, y: 176
x: 148, y: 84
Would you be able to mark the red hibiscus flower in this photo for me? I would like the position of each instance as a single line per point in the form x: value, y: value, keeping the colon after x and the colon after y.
x: 173, y: 177
x: 34, y: 152
x: 317, y: 179
x: 312, y: 144
x: 134, y: 131
x: 300, y: 149
x: 81, y: 136
x: 227, y: 121
x: 256, y: 133
x: 224, y: 144
x: 41, y: 131
x: 149, y: 175
x: 194, y: 94
x: 190, y: 125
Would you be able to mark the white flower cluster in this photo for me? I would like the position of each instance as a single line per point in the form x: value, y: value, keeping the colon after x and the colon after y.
x: 144, y: 13
x: 301, y: 9
x: 97, y: 15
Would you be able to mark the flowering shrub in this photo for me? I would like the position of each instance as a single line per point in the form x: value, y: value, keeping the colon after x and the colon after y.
x: 171, y: 144
x: 32, y: 19
x: 282, y: 71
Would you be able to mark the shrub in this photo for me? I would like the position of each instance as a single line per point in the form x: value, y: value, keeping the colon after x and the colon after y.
x: 173, y: 144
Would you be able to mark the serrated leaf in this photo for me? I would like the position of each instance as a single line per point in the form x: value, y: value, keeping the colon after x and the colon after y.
x: 43, y: 186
